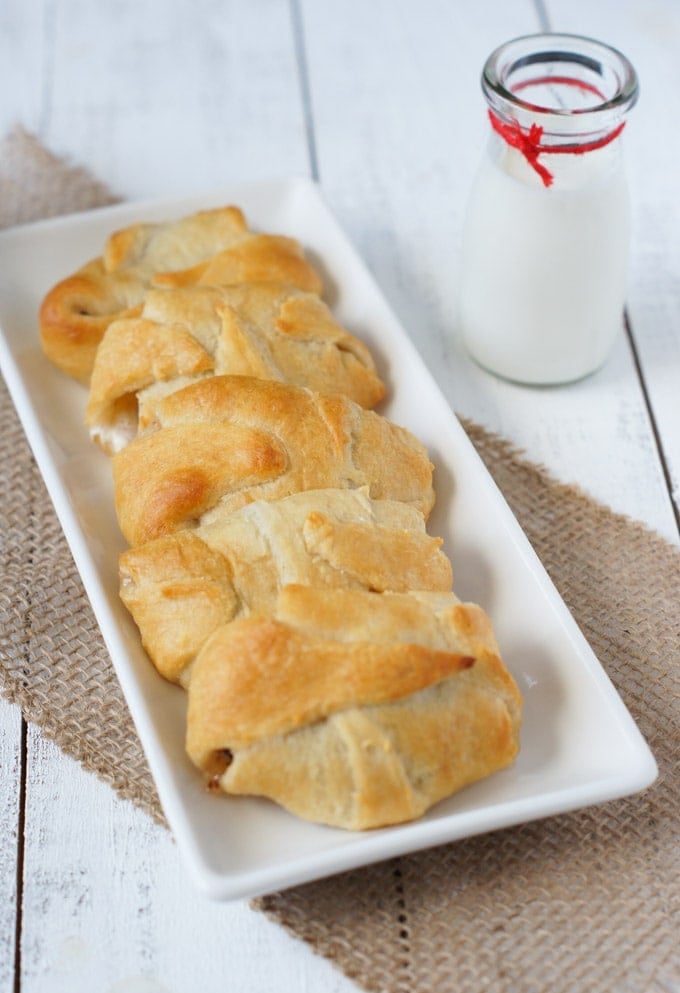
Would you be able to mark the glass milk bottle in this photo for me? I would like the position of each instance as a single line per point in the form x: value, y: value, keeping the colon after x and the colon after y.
x: 546, y: 237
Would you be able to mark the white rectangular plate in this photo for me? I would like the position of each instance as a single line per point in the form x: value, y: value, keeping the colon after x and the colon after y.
x: 579, y: 744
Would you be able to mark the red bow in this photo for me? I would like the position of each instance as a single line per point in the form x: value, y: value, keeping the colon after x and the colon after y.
x: 529, y: 144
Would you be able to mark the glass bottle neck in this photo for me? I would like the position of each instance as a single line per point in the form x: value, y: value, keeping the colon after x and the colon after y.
x: 558, y: 97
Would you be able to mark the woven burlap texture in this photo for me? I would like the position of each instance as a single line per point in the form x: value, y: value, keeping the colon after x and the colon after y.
x: 584, y: 902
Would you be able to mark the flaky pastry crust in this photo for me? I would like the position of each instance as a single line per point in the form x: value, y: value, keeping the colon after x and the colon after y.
x: 208, y: 246
x: 180, y: 588
x: 229, y: 440
x: 353, y: 709
x: 269, y: 330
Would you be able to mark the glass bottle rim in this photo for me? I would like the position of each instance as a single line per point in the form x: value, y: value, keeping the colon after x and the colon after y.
x: 578, y: 50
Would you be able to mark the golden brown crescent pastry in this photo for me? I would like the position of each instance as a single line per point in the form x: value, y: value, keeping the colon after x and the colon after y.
x: 269, y: 330
x: 353, y: 709
x: 280, y: 567
x: 181, y: 587
x: 257, y: 258
x: 226, y: 441
x: 76, y: 312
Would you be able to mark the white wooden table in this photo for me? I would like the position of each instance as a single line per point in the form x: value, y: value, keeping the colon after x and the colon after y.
x: 378, y: 100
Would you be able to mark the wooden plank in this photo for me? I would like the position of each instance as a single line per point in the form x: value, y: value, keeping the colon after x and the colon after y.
x: 649, y: 34
x: 24, y: 47
x: 108, y: 906
x: 398, y: 142
x: 157, y: 106
x: 10, y: 850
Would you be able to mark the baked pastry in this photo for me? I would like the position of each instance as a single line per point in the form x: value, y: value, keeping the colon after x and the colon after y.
x: 353, y: 709
x: 225, y: 441
x: 210, y: 246
x: 181, y: 587
x: 268, y: 330
x: 280, y: 567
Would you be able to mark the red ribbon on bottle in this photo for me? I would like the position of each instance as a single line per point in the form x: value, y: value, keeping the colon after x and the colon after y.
x: 529, y: 143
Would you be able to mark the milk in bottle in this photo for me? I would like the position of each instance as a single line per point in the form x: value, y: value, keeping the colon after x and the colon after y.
x: 547, y: 232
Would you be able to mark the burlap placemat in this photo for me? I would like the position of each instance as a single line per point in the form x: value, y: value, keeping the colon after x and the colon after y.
x: 583, y: 902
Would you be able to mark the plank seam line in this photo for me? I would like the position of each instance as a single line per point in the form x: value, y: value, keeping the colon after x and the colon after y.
x: 652, y: 420
x: 21, y: 834
x: 542, y: 14
x: 305, y: 90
